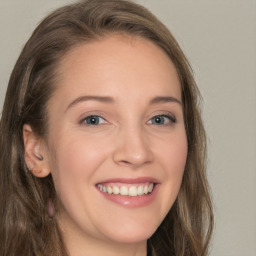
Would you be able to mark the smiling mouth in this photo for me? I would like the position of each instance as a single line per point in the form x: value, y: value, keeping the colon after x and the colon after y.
x: 134, y: 190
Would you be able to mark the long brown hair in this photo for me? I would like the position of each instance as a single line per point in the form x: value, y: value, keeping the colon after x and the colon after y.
x: 25, y: 227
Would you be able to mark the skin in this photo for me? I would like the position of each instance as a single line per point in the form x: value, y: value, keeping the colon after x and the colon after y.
x: 127, y: 143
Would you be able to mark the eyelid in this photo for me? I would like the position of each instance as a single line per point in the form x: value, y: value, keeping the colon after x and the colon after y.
x: 170, y: 116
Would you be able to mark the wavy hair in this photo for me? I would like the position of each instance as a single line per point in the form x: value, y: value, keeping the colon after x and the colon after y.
x: 25, y: 227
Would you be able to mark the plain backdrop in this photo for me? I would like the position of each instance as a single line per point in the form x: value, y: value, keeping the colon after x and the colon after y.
x: 219, y: 39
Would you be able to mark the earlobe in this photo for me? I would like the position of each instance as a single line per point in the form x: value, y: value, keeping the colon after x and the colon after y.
x: 35, y: 153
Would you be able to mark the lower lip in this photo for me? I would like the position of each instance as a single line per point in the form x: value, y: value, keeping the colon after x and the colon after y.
x: 132, y: 201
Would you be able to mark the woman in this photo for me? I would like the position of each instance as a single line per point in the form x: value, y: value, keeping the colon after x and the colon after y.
x: 102, y: 144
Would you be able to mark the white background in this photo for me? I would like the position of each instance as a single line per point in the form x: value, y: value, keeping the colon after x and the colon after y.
x: 219, y: 38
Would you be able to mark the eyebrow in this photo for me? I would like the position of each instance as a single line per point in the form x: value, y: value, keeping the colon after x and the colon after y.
x: 164, y: 99
x: 106, y: 99
x: 103, y: 99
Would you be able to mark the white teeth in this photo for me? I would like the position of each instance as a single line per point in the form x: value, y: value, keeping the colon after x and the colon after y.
x: 124, y: 191
x: 150, y: 187
x: 128, y: 190
x: 146, y: 190
x: 140, y: 190
x: 133, y: 191
x: 109, y: 190
x: 116, y: 190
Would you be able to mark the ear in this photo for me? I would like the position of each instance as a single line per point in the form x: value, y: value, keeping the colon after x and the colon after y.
x: 35, y: 153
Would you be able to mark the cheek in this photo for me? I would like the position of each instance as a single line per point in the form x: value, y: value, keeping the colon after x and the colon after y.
x: 76, y: 160
x: 173, y: 155
x: 75, y: 164
x: 173, y: 152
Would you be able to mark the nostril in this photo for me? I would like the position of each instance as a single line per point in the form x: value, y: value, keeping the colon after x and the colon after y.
x: 125, y: 162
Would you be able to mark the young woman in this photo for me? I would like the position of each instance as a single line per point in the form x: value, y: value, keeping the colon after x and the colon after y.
x: 102, y: 145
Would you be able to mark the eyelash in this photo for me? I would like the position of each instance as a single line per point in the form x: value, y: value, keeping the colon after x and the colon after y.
x: 170, y: 118
x: 86, y: 119
x: 96, y: 120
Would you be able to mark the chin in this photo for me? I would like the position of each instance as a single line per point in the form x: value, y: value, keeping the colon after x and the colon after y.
x: 128, y: 233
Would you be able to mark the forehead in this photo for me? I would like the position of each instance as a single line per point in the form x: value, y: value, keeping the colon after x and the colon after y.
x: 117, y: 64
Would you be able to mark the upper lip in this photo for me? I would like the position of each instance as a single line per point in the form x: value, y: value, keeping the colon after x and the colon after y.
x: 131, y: 180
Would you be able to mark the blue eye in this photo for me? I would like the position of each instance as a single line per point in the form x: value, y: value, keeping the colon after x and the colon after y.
x: 162, y: 120
x: 94, y: 120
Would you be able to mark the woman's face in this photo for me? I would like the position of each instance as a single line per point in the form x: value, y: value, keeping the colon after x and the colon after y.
x: 116, y: 131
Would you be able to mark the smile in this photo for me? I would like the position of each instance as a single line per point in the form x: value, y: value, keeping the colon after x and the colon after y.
x: 127, y: 189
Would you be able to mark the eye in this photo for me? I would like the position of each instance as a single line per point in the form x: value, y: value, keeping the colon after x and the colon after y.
x: 162, y: 120
x: 94, y: 120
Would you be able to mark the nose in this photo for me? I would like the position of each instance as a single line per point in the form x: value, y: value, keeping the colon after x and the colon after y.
x: 133, y: 149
